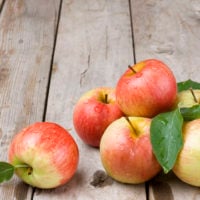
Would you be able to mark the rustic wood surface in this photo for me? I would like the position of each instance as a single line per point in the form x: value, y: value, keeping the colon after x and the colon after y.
x: 27, y: 34
x: 51, y: 52
x: 93, y: 47
x: 169, y: 31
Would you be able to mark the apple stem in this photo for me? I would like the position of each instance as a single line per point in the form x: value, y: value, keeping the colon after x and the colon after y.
x: 195, y: 99
x: 131, y: 125
x: 105, y: 100
x: 29, y: 169
x: 131, y: 68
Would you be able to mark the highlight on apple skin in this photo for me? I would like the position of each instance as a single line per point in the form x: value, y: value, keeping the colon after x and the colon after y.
x: 49, y: 152
x: 187, y: 164
x: 146, y: 89
x: 126, y: 151
x: 94, y: 111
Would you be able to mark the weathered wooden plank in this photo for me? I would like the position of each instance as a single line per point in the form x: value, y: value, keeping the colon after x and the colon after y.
x: 169, y: 31
x: 26, y: 44
x: 94, y: 47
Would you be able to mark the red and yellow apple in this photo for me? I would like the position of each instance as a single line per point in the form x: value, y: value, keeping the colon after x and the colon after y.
x: 126, y: 151
x: 45, y: 154
x: 94, y: 111
x: 146, y: 89
x: 187, y: 166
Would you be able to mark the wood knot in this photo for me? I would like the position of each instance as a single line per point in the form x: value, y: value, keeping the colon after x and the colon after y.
x: 101, y: 179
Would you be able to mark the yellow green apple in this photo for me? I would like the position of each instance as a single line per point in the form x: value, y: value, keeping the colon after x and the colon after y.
x: 187, y: 166
x: 44, y: 154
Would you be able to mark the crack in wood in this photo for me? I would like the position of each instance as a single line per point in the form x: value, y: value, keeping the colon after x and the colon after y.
x: 52, y: 58
x: 132, y: 31
x: 83, y: 74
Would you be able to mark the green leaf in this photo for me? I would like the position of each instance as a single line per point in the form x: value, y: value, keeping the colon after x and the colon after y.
x: 6, y: 171
x: 190, y: 113
x: 185, y: 85
x: 166, y: 138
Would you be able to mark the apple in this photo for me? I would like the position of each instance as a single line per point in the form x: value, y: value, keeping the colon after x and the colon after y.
x: 146, y: 89
x: 187, y: 166
x: 126, y: 151
x: 94, y: 111
x: 47, y: 153
x: 188, y: 98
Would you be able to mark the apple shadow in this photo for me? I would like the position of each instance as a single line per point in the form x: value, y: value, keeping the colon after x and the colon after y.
x: 21, y: 190
x: 77, y: 179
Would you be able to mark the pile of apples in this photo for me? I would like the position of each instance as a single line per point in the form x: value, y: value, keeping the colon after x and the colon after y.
x: 118, y: 120
x: 115, y: 120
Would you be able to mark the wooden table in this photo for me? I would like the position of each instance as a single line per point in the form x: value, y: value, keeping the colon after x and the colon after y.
x: 51, y: 52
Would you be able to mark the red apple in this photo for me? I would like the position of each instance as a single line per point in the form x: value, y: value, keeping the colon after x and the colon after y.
x: 146, y: 89
x: 126, y: 150
x: 187, y: 166
x: 94, y: 111
x: 47, y: 154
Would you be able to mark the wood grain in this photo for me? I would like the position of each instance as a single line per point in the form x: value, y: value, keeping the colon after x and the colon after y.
x: 94, y: 46
x: 169, y: 31
x: 26, y: 42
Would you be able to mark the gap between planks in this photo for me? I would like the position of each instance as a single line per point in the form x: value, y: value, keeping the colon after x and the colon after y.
x: 132, y: 31
x: 52, y: 61
x: 1, y: 5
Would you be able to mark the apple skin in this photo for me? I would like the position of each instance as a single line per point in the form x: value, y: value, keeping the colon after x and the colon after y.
x: 185, y: 98
x: 92, y: 114
x: 49, y: 150
x: 150, y: 91
x: 126, y: 153
x: 187, y: 166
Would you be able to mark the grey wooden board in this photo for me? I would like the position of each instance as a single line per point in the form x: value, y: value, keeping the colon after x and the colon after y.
x: 94, y: 47
x: 26, y: 41
x: 169, y: 31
